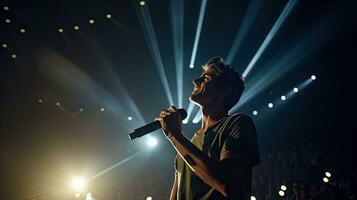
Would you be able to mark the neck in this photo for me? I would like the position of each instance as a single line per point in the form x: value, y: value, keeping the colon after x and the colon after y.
x: 212, y: 114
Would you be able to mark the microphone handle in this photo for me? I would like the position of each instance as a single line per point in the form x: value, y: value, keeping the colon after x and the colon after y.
x: 145, y: 130
x: 152, y: 126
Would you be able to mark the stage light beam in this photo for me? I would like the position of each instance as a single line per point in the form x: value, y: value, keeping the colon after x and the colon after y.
x: 328, y: 174
x: 296, y: 89
x: 270, y: 105
x: 313, y: 77
x: 198, y: 32
x: 287, y: 9
x: 283, y: 97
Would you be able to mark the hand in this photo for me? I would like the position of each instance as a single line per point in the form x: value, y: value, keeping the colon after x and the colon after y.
x: 171, y: 122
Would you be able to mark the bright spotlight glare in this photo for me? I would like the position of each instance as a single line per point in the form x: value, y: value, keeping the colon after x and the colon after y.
x: 108, y: 16
x: 60, y: 30
x: 325, y: 180
x: 130, y: 118
x: 270, y: 105
x: 281, y: 193
x: 296, y: 90
x: 192, y: 66
x: 76, y: 28
x: 39, y: 100
x: 78, y: 183
x: 152, y: 142
x: 91, y: 21
x: 102, y: 109
x: 283, y: 97
x: 149, y: 198
x: 77, y: 195
x: 89, y: 195
x: 255, y: 112
x: 313, y: 77
x: 142, y: 3
x: 283, y: 187
x: 328, y: 174
x: 252, y: 198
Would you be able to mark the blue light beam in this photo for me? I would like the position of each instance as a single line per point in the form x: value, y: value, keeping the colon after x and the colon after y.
x: 198, y: 32
x: 287, y: 9
x: 177, y: 16
x: 248, y: 19
x: 149, y: 33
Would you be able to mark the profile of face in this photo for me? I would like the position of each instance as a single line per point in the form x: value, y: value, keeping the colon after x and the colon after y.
x: 206, y: 90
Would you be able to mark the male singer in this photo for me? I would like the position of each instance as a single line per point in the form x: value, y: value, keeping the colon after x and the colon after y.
x: 217, y: 162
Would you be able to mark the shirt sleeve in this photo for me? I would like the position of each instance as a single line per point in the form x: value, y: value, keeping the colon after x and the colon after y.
x: 241, y: 135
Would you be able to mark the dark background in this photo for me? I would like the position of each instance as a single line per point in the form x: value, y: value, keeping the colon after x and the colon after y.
x: 42, y: 146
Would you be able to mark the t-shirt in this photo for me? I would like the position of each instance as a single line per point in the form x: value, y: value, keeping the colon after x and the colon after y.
x: 235, y: 132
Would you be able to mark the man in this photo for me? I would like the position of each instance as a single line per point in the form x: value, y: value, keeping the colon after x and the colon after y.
x: 217, y: 163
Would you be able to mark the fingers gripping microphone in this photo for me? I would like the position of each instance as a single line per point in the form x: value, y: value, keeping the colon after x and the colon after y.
x: 153, y: 126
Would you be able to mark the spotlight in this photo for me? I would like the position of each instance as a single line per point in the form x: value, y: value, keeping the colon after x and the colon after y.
x: 6, y: 8
x: 40, y: 101
x: 58, y: 103
x: 252, y: 198
x: 191, y: 66
x: 152, y: 142
x: 22, y: 30
x: 313, y: 77
x: 283, y: 97
x: 76, y: 28
x: 13, y: 56
x: 296, y: 90
x: 185, y: 121
x: 91, y: 21
x: 270, y: 105
x: 283, y: 187
x: 108, y: 16
x: 195, y: 121
x: 89, y: 195
x: 102, y: 109
x: 328, y: 174
x: 8, y: 21
x: 81, y: 110
x: 281, y: 193
x: 255, y: 112
x: 142, y: 3
x: 325, y: 180
x: 60, y: 30
x: 4, y: 45
x: 149, y: 198
x: 130, y: 118
x: 77, y: 195
x: 78, y: 183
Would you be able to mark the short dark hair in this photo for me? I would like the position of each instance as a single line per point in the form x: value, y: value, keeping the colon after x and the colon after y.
x: 227, y: 77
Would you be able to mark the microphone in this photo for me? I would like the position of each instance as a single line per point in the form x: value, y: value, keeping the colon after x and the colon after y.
x: 152, y: 126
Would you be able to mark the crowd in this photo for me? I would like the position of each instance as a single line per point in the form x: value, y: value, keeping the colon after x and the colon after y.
x: 301, y: 170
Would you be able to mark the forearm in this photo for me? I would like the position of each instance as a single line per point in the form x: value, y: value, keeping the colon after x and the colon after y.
x: 208, y: 169
x: 173, y: 194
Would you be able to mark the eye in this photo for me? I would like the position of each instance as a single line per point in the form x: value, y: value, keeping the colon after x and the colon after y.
x: 207, y: 78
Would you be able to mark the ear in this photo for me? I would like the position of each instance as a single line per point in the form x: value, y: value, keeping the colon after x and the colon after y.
x: 225, y: 91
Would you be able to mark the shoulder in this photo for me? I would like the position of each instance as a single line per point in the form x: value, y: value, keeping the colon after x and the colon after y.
x: 240, y: 119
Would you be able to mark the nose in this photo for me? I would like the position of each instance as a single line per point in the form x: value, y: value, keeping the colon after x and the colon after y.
x: 196, y: 81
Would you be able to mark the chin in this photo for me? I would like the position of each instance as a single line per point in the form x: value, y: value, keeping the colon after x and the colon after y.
x: 195, y: 100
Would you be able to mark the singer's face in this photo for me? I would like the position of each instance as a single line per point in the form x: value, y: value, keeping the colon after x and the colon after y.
x: 205, y: 88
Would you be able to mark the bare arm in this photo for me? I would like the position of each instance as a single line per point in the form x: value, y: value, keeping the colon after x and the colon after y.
x: 173, y: 195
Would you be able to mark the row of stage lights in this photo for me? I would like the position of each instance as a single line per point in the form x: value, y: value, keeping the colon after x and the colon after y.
x: 23, y: 30
x: 283, y: 97
x: 81, y: 110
